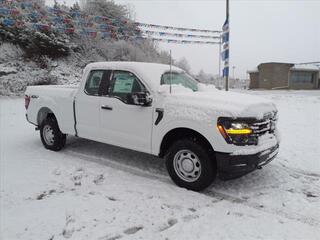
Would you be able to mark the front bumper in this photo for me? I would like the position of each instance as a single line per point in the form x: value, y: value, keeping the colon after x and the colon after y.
x: 233, y: 166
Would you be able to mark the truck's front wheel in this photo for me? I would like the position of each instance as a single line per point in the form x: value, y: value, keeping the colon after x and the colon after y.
x: 189, y: 165
x: 51, y: 136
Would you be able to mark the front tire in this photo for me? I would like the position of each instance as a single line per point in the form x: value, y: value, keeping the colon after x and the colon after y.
x: 189, y: 165
x: 51, y: 136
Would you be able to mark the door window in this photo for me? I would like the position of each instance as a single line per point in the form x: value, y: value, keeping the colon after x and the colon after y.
x: 123, y: 84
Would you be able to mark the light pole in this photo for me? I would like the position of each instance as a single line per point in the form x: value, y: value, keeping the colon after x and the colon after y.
x: 233, y: 68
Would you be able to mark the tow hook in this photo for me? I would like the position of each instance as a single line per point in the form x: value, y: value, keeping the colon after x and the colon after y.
x: 259, y: 167
x: 37, y: 128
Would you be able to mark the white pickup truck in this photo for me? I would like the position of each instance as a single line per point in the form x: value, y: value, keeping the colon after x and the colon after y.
x: 200, y: 131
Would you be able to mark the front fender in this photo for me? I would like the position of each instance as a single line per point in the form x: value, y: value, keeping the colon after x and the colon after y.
x: 208, y: 132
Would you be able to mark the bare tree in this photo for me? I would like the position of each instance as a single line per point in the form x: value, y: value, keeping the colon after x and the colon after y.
x: 183, y: 64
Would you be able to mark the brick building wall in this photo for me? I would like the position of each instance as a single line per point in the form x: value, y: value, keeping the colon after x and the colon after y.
x: 279, y: 76
x: 274, y: 75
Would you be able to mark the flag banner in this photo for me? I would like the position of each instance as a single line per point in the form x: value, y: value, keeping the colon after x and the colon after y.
x: 57, y: 19
x: 226, y: 46
x: 44, y: 27
x: 4, y: 11
x: 225, y: 37
x: 26, y: 5
x: 225, y: 55
x: 69, y: 30
x: 8, y: 22
x: 34, y: 16
x: 225, y: 26
x: 104, y: 35
x: 225, y: 72
x: 75, y: 14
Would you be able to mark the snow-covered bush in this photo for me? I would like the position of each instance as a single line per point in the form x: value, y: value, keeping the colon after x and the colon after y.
x: 36, y: 42
x: 9, y: 51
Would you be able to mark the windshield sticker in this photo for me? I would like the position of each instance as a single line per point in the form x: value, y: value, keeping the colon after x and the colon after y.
x: 123, y: 85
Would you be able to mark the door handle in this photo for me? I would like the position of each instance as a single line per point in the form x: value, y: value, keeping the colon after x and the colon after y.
x: 106, y: 107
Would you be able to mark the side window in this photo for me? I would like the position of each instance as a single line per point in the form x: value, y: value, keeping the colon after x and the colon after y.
x: 93, y: 82
x: 123, y: 84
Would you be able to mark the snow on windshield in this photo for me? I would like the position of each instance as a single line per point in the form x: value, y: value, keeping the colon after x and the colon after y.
x: 179, y: 78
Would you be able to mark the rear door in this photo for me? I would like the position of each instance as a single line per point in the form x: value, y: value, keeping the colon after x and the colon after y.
x: 87, y: 106
x: 123, y: 123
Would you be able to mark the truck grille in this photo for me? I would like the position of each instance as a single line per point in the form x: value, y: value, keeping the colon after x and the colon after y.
x: 266, y: 125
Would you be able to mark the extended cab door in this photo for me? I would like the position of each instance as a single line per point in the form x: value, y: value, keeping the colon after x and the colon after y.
x: 123, y: 123
x: 87, y: 105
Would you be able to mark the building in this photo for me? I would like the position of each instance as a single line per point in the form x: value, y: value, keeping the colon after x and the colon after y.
x: 274, y: 75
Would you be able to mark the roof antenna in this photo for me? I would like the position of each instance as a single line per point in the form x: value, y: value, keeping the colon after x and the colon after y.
x: 170, y: 71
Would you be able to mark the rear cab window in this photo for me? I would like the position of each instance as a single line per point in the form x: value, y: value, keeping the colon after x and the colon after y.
x: 96, y: 82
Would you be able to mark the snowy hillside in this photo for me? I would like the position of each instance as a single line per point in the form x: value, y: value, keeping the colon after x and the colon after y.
x: 95, y: 191
x: 17, y: 72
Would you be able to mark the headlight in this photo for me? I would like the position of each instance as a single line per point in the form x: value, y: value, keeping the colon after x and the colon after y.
x: 236, y: 131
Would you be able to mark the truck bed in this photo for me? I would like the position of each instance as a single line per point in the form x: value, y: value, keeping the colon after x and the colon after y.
x: 55, y: 98
x: 54, y: 90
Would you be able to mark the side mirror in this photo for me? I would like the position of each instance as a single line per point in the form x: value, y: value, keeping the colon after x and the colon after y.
x: 141, y: 99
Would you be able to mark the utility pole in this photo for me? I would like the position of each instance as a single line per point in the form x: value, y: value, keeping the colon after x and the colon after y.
x: 170, y: 71
x: 227, y: 17
x: 220, y: 42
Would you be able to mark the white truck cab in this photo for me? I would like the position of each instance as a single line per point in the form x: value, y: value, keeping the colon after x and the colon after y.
x: 201, y: 131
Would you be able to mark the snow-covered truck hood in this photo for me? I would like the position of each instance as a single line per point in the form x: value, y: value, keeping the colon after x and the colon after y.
x: 205, y: 104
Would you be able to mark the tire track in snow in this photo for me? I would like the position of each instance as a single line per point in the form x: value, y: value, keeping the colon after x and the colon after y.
x: 298, y: 171
x: 257, y: 206
x: 210, y: 193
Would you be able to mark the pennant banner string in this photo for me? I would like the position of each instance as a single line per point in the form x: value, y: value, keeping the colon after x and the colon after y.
x: 180, y: 41
x: 148, y: 32
x: 175, y: 28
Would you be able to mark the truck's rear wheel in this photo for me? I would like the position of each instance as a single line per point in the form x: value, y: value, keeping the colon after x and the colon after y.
x: 51, y: 136
x: 189, y: 165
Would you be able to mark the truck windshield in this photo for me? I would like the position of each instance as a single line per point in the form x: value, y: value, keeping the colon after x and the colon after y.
x: 179, y: 78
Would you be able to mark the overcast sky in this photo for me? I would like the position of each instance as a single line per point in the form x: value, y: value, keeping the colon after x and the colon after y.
x: 260, y: 31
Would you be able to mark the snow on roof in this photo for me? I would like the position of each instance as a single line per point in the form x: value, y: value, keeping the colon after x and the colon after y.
x: 150, y: 73
x: 305, y: 67
x: 255, y: 70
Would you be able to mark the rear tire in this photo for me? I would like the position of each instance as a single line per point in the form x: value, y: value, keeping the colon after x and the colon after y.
x: 189, y: 165
x: 51, y: 136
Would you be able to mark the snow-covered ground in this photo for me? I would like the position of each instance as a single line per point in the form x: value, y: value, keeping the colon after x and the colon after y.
x: 95, y: 191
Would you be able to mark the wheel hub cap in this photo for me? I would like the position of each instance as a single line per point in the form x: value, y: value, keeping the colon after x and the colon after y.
x: 187, y: 165
x: 48, y: 135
